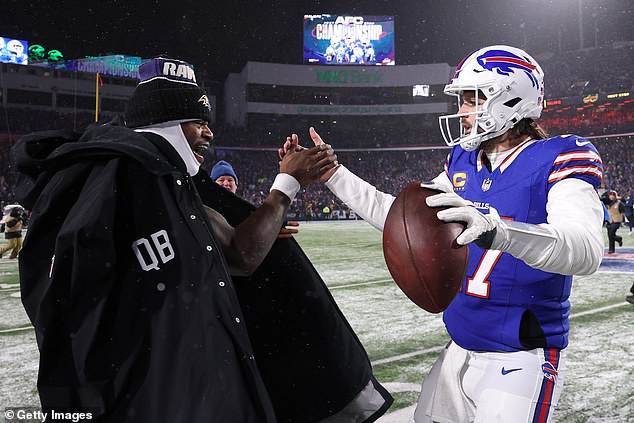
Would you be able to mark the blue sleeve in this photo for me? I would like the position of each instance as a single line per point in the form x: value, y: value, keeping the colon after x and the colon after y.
x: 575, y: 158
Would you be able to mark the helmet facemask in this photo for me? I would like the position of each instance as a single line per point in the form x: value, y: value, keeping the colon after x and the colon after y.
x: 484, y: 126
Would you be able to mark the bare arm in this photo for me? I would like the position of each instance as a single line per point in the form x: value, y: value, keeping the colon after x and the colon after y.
x: 362, y: 197
x: 246, y: 245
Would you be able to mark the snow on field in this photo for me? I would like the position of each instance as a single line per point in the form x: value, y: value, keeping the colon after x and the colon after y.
x: 371, y: 311
x: 600, y: 381
x: 13, y: 314
x: 600, y: 377
x: 18, y: 370
x: 401, y: 339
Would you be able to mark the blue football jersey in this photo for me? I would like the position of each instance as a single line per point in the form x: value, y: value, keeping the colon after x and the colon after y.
x: 498, y: 288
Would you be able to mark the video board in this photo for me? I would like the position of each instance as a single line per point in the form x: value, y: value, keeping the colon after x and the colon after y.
x: 14, y: 51
x: 349, y: 40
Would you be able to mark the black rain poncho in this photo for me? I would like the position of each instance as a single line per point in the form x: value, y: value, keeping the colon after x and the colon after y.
x: 136, y: 316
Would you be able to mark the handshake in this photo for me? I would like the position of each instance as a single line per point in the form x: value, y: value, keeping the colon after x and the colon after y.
x: 322, y: 164
x: 487, y: 231
x: 307, y: 164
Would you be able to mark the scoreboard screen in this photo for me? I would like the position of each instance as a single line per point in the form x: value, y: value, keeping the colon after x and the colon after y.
x: 14, y: 51
x: 349, y: 40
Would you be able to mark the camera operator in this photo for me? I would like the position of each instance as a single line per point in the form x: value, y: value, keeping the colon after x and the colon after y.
x: 13, y: 232
x: 616, y: 210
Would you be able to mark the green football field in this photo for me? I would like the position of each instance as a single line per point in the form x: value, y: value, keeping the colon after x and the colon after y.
x: 401, y: 339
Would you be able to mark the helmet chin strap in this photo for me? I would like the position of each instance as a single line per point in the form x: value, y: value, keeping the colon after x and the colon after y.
x: 475, y: 142
x: 472, y: 141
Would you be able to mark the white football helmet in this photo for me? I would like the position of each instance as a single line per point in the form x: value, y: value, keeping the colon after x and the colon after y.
x: 512, y: 83
x: 15, y: 47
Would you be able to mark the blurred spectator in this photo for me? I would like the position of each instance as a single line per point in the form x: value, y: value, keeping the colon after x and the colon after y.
x: 223, y: 174
x: 616, y: 210
x: 326, y: 212
x: 14, y: 224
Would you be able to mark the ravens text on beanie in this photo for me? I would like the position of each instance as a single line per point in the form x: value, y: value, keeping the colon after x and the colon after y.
x: 167, y: 91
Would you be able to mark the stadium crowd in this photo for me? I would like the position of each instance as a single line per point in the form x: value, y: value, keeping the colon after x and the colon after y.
x: 579, y: 73
x: 391, y: 171
x: 582, y: 72
x: 398, y: 132
x: 591, y: 121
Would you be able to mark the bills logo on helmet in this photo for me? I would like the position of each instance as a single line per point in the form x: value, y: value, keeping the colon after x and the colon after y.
x: 549, y: 371
x: 504, y: 62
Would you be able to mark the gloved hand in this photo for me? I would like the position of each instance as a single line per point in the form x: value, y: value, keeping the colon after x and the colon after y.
x: 435, y: 185
x: 481, y: 228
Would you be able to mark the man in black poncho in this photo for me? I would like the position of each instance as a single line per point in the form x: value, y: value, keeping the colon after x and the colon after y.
x: 125, y: 274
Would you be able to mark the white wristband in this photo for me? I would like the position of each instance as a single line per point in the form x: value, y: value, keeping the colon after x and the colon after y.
x: 286, y: 184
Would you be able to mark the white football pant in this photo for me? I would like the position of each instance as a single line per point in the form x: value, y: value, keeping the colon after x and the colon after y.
x: 491, y: 387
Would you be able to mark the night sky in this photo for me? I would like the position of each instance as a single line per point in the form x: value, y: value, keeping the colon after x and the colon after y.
x: 221, y: 36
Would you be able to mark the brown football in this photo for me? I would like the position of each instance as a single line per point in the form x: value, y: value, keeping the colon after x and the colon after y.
x: 421, y: 251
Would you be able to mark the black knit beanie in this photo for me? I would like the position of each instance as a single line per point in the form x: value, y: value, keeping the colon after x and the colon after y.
x: 167, y: 91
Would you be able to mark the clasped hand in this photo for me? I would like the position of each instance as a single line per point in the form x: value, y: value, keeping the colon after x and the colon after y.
x: 307, y: 164
x: 292, y: 144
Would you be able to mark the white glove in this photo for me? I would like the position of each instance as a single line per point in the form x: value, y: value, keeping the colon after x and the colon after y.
x: 435, y: 184
x: 481, y: 228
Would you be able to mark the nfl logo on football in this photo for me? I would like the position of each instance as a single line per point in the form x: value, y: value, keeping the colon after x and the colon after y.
x: 486, y: 184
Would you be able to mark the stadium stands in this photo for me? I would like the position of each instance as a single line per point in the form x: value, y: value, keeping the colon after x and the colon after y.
x: 589, y: 71
x: 593, y: 91
x: 589, y: 122
x: 391, y: 171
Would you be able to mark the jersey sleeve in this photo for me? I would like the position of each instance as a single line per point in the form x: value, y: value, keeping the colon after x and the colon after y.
x: 571, y: 243
x: 362, y: 197
x: 576, y: 158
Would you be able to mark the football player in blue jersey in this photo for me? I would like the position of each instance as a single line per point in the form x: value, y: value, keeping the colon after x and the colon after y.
x: 532, y: 220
